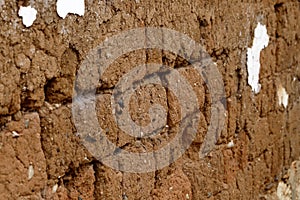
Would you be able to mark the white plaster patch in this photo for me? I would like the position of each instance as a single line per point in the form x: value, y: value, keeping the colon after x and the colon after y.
x: 283, y: 97
x: 70, y: 6
x: 28, y: 15
x: 261, y: 40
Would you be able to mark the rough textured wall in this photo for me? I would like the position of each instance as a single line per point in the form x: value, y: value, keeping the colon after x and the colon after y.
x: 38, y: 67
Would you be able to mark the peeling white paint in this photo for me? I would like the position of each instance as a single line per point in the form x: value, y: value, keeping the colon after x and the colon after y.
x: 67, y: 6
x: 28, y: 15
x: 283, y: 97
x: 261, y: 40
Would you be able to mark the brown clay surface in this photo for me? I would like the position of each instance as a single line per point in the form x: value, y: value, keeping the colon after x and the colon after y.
x: 37, y: 71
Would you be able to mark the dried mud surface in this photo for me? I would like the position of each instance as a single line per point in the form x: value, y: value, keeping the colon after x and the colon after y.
x: 38, y: 66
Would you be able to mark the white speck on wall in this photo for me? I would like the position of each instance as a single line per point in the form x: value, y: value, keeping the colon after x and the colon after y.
x: 15, y: 134
x: 230, y: 144
x: 261, y: 40
x: 30, y: 172
x: 187, y: 196
x: 28, y: 15
x: 54, y: 188
x: 69, y: 6
x: 283, y: 97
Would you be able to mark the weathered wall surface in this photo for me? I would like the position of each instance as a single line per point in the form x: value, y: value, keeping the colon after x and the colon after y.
x: 38, y: 67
